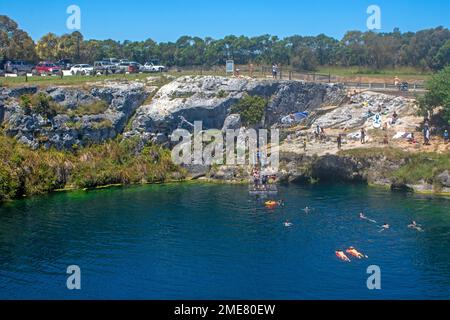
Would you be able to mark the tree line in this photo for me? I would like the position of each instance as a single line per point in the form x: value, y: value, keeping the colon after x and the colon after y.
x: 426, y: 49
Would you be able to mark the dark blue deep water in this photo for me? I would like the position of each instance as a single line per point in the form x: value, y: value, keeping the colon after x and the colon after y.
x: 193, y: 241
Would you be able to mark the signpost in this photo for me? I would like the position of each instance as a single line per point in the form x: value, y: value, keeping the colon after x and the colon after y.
x: 230, y: 66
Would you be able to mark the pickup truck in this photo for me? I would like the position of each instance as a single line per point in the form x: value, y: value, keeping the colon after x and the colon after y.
x: 150, y: 67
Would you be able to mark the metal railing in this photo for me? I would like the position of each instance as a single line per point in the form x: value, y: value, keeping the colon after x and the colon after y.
x: 265, y: 72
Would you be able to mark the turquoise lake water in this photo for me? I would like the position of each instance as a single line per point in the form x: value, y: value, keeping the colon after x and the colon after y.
x: 195, y: 241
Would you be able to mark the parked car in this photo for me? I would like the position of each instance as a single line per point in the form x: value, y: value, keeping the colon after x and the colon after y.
x: 130, y: 67
x: 111, y: 61
x: 82, y: 69
x: 138, y: 66
x: 17, y: 67
x: 46, y: 68
x: 105, y: 67
x: 150, y: 67
x: 65, y: 64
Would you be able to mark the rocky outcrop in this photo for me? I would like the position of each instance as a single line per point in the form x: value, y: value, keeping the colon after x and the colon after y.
x: 374, y: 170
x: 209, y: 99
x: 332, y: 168
x: 67, y: 130
x: 444, y: 179
x: 361, y: 108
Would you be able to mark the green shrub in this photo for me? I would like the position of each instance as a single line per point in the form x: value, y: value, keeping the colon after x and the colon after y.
x: 222, y: 94
x: 251, y: 109
x: 9, y: 183
x: 44, y: 105
x: 438, y: 95
x: 104, y: 124
x: 28, y: 172
x: 97, y: 107
x: 422, y: 166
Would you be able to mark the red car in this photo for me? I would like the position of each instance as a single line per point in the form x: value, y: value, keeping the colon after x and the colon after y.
x: 47, y: 68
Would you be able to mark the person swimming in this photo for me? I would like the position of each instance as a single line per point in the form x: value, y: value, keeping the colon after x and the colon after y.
x: 288, y: 224
x: 281, y: 203
x: 363, y: 217
x: 352, y: 251
x: 416, y: 226
x: 307, y: 210
x: 384, y: 227
x: 341, y: 255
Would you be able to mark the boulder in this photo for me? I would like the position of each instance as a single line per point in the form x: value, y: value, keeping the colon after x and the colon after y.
x: 233, y: 121
x: 444, y: 179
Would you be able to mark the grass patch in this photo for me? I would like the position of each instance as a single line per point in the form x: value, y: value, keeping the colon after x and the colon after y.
x: 24, y: 172
x: 423, y: 166
x: 43, y: 104
x: 103, y: 124
x: 222, y: 94
x: 97, y: 107
x: 406, y: 73
x: 416, y: 167
x: 389, y: 153
x: 69, y: 80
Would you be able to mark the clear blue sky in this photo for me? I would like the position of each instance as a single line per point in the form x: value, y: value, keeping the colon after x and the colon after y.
x: 169, y: 19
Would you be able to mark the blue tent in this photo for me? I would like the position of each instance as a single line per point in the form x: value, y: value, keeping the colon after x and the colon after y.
x: 294, y: 118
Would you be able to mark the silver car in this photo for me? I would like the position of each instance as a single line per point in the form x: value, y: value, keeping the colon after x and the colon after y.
x: 18, y: 67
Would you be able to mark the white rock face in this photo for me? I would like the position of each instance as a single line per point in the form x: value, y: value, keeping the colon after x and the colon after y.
x: 63, y: 131
x: 209, y: 99
x: 360, y: 110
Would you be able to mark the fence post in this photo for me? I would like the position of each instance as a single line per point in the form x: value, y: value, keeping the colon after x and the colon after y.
x: 314, y: 77
x: 290, y: 75
x: 329, y: 77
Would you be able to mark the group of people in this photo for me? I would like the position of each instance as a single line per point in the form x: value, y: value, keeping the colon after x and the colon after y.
x: 355, y: 253
x: 350, y: 251
x: 427, y: 131
x: 319, y: 133
x: 262, y: 181
x: 386, y: 226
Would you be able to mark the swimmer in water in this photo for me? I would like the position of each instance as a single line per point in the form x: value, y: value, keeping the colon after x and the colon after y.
x: 341, y: 255
x: 363, y: 217
x: 307, y: 210
x: 384, y: 227
x: 352, y: 251
x: 281, y: 203
x: 415, y: 225
x: 288, y: 224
